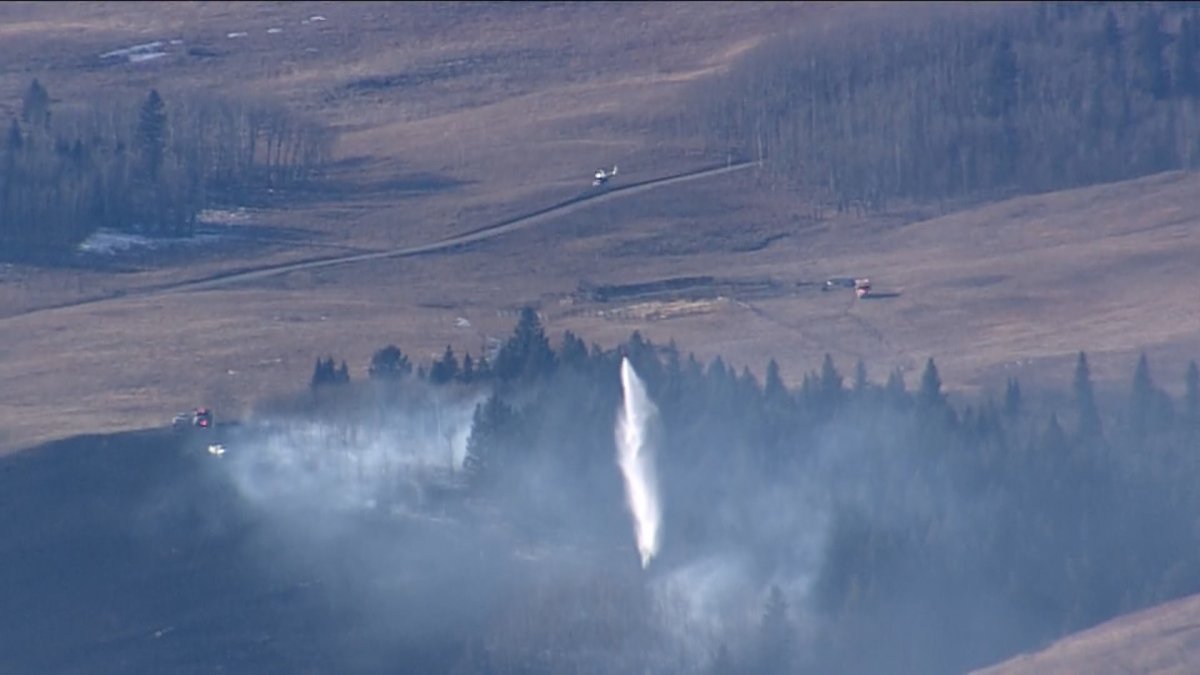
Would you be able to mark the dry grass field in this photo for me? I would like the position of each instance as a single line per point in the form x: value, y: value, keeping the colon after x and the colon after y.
x: 1160, y: 640
x: 455, y: 116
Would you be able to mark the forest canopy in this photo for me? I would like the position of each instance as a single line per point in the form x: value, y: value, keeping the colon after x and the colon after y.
x: 147, y: 165
x: 951, y: 102
x: 913, y: 533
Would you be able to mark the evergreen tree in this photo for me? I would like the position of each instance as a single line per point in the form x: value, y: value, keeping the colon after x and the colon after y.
x: 930, y: 393
x: 468, y: 369
x: 13, y: 141
x: 35, y: 106
x: 1012, y: 398
x: 1141, y: 397
x: 895, y: 389
x: 1085, y: 400
x: 326, y: 372
x: 1149, y: 407
x: 151, y: 137
x: 774, y: 390
x: 860, y: 377
x: 389, y: 363
x: 574, y: 352
x: 1110, y: 48
x: 526, y: 355
x: 493, y: 430
x: 1001, y: 92
x: 444, y: 369
x: 829, y: 384
x: 1184, y: 76
x: 1152, y: 75
x: 1054, y: 439
x: 483, y: 370
x: 1191, y: 395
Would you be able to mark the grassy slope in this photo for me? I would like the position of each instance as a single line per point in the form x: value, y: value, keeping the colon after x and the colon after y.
x: 1160, y: 640
x: 1010, y: 288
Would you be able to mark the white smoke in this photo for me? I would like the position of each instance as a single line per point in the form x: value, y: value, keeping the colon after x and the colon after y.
x: 351, y: 463
x: 635, y: 456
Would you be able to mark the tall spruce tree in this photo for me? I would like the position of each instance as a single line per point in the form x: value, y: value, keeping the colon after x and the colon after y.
x: 35, y: 106
x: 1191, y: 396
x: 151, y: 137
x: 1141, y: 397
x: 1085, y: 400
x: 526, y: 355
x: 1151, y: 72
x: 1012, y: 398
x: 930, y: 393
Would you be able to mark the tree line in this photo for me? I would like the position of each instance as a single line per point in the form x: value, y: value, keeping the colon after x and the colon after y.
x: 148, y: 166
x: 953, y: 103
x: 953, y: 535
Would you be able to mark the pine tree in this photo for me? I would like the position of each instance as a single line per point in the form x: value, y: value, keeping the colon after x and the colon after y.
x: 444, y: 369
x: 1141, y: 397
x: 774, y: 390
x: 1192, y: 399
x: 526, y: 355
x: 1012, y: 398
x: 493, y: 428
x: 467, y: 375
x: 1054, y: 439
x: 829, y: 384
x: 1184, y: 76
x: 389, y: 363
x: 1191, y: 396
x: 14, y: 140
x: 151, y: 138
x: 1110, y: 48
x: 895, y: 389
x: 35, y: 106
x: 860, y: 377
x: 1151, y: 71
x: 574, y: 352
x: 326, y: 372
x: 1001, y: 92
x: 930, y: 393
x: 1085, y: 400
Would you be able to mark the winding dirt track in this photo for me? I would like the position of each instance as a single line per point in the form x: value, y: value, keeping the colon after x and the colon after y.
x: 441, y: 245
x: 462, y: 239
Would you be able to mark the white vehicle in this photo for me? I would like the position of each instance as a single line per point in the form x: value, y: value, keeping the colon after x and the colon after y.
x: 602, y: 176
x: 216, y: 449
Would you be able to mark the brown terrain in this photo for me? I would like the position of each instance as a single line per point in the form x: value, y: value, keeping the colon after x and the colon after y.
x: 1158, y: 640
x: 456, y: 117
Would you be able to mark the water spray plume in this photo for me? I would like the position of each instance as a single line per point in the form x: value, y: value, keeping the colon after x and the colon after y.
x: 635, y: 457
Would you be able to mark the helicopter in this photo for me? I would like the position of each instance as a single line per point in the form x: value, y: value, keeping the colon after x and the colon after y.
x: 601, y: 176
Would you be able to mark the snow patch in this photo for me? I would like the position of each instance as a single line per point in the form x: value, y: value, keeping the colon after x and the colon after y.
x: 138, y: 58
x: 237, y: 216
x: 112, y: 242
x: 137, y: 53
